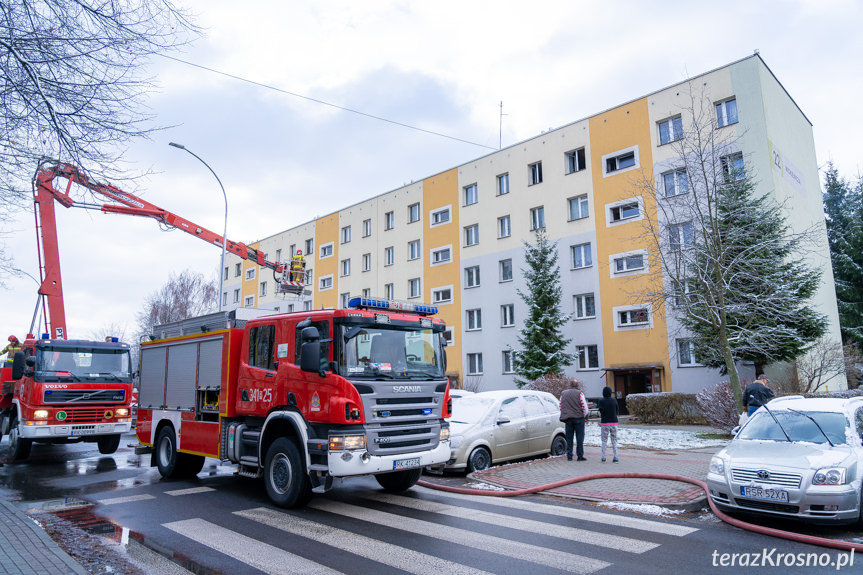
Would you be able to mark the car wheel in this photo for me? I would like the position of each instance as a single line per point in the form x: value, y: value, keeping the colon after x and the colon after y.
x: 286, y: 482
x: 398, y: 481
x: 558, y: 445
x: 19, y: 447
x: 108, y: 444
x: 479, y: 459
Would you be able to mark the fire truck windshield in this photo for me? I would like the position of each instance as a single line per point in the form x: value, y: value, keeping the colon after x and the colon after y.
x: 390, y: 352
x: 82, y: 364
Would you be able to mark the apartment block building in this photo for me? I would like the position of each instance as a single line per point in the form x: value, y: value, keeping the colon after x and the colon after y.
x: 456, y: 239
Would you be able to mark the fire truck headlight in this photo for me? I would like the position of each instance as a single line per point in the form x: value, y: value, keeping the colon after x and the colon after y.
x: 121, y: 412
x: 347, y: 442
x: 444, y: 433
x: 40, y: 414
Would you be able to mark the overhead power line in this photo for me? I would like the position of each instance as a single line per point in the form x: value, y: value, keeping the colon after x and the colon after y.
x: 317, y: 101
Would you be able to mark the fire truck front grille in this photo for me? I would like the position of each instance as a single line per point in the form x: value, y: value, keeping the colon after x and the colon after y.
x: 84, y: 396
x: 403, y: 400
x: 87, y: 415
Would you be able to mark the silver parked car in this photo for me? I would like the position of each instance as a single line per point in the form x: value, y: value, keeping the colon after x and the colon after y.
x: 795, y: 457
x: 494, y: 426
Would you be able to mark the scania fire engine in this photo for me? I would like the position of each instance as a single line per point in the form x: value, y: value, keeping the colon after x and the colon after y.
x: 300, y: 399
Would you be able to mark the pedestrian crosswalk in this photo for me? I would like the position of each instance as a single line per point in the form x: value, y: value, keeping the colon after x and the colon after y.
x: 423, y: 532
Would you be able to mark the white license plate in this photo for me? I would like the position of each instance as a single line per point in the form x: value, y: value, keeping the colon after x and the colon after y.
x: 764, y: 493
x: 406, y: 463
x: 83, y: 432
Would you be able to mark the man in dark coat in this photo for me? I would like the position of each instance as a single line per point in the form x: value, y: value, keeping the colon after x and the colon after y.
x: 573, y: 410
x: 757, y: 394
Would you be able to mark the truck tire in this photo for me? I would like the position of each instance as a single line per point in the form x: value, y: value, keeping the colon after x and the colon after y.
x: 285, y: 479
x: 108, y: 444
x: 171, y: 463
x: 19, y: 448
x: 398, y: 481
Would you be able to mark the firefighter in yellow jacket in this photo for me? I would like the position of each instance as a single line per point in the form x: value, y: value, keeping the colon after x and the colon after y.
x: 9, y: 350
x: 298, y: 267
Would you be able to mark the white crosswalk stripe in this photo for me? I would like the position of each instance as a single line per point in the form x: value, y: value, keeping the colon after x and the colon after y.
x: 393, y: 555
x: 573, y: 512
x: 189, y: 491
x: 496, y: 545
x: 129, y: 499
x: 250, y: 551
x: 539, y: 527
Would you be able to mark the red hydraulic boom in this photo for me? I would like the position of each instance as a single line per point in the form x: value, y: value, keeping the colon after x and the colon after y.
x: 119, y: 202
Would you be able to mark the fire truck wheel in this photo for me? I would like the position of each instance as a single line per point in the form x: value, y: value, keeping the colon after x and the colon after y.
x: 398, y: 481
x: 108, y: 444
x: 286, y: 481
x: 166, y: 452
x: 19, y: 448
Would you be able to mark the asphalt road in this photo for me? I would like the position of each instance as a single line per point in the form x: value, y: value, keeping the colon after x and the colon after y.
x: 221, y: 523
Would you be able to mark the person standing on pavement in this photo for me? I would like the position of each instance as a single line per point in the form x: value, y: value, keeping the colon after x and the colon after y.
x: 608, y: 421
x: 573, y: 410
x: 757, y: 394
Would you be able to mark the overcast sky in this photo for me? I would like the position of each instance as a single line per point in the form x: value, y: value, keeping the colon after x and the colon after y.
x: 441, y: 66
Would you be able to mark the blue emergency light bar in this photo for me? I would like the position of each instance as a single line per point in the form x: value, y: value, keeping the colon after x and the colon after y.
x: 392, y: 305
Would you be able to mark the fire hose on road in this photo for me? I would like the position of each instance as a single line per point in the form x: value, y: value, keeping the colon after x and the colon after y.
x: 800, y: 538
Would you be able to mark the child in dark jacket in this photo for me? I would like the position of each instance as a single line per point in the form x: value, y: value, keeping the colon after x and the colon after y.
x: 608, y: 421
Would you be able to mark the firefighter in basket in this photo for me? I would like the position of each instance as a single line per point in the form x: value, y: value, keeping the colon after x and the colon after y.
x: 9, y: 350
x: 298, y: 267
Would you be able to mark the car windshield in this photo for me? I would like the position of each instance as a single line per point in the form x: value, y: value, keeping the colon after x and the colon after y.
x: 472, y: 409
x: 799, y: 426
x: 83, y: 363
x: 389, y: 352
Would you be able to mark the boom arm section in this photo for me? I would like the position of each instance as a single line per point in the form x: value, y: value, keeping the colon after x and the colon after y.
x: 118, y: 202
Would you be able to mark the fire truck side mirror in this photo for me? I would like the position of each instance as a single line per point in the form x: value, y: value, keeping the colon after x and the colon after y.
x: 19, y: 363
x: 310, y: 356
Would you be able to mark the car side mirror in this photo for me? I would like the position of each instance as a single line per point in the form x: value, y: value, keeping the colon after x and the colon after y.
x: 735, y: 431
x: 501, y: 420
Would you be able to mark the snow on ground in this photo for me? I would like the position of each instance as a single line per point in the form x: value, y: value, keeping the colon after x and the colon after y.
x: 642, y: 508
x: 650, y: 438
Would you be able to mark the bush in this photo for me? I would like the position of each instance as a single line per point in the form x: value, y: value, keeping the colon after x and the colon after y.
x: 553, y: 383
x: 665, y: 407
x: 843, y: 394
x: 718, y: 407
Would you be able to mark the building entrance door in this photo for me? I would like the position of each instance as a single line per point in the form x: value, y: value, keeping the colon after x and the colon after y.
x: 633, y: 381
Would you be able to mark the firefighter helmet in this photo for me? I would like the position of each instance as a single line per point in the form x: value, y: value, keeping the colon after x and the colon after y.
x: 13, y: 338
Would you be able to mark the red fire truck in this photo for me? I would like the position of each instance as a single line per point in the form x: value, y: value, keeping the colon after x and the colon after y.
x: 300, y: 399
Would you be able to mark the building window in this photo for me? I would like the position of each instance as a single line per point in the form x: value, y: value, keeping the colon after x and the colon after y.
x: 623, y: 211
x: 503, y: 227
x: 440, y: 216
x: 307, y: 305
x: 236, y: 296
x: 389, y: 220
x: 326, y: 283
x: 263, y: 289
x: 474, y: 319
x: 670, y: 130
x: 686, y: 352
x: 680, y: 235
x: 620, y: 161
x: 346, y: 298
x: 442, y: 295
x: 226, y: 272
x: 367, y: 292
x: 578, y: 207
x: 346, y: 234
x: 448, y: 336
x: 441, y: 255
x: 506, y: 361
x: 471, y: 195
x: 471, y: 235
x: 732, y: 166
x: 413, y: 213
x: 588, y: 356
x: 367, y: 262
x: 326, y: 250
x: 310, y: 276
x: 389, y: 291
x: 507, y: 315
x: 310, y: 246
x: 636, y: 316
x: 675, y: 183
x: 575, y: 161
x: 414, y: 250
x: 581, y: 256
x: 534, y: 174
x: 238, y: 270
x: 224, y: 298
x: 278, y: 255
x: 585, y: 307
x: 389, y: 256
x: 537, y: 218
x: 414, y: 287
x: 290, y: 308
x: 292, y: 251
x: 628, y: 263
x: 474, y: 364
x: 726, y: 112
x: 505, y: 267
x: 471, y: 277
x: 367, y: 228
x: 250, y: 273
x: 346, y: 267
x: 503, y: 184
x: 249, y: 301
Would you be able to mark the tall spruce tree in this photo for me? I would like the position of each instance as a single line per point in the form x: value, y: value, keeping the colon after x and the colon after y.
x: 543, y: 347
x: 843, y: 205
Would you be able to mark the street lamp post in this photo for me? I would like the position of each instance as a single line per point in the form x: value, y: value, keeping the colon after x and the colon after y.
x: 225, y: 231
